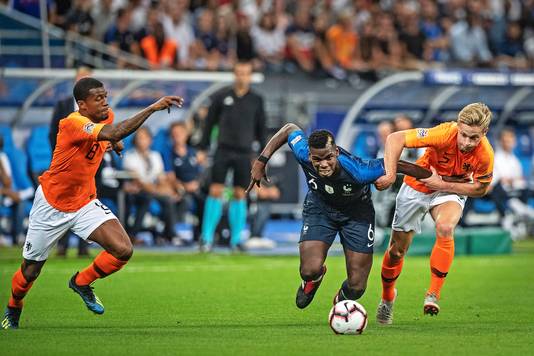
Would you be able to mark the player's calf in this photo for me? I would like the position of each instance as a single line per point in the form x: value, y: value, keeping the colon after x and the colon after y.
x: 347, y: 293
x: 307, y: 289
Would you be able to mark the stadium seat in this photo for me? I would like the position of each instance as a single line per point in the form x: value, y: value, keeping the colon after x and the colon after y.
x: 39, y: 151
x: 21, y: 180
x: 161, y: 142
x: 483, y: 206
x: 7, y: 137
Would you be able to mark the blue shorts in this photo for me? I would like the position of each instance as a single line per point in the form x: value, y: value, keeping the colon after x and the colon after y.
x: 322, y: 222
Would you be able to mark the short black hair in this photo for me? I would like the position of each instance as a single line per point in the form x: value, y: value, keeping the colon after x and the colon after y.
x: 83, y: 86
x: 320, y: 138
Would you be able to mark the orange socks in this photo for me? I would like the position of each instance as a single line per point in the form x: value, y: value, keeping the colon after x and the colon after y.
x: 390, y: 272
x: 19, y: 288
x: 103, y: 265
x: 440, y: 262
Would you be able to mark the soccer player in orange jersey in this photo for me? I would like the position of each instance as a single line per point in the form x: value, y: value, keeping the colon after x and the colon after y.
x: 66, y: 198
x: 458, y: 149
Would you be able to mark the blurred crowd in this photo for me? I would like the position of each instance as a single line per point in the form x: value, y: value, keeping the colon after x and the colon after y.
x: 319, y: 37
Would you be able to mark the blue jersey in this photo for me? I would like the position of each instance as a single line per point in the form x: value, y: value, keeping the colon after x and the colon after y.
x: 349, y: 189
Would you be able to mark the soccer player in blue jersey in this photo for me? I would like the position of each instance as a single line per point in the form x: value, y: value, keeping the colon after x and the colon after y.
x: 338, y: 201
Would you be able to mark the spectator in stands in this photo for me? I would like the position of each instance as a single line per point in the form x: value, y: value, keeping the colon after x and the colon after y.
x: 204, y: 53
x: 12, y: 198
x: 343, y: 43
x: 416, y: 53
x: 58, y: 12
x: 469, y: 43
x: 245, y: 50
x: 62, y: 109
x: 512, y: 53
x: 509, y: 188
x: 104, y: 16
x: 120, y: 38
x: 301, y: 40
x: 79, y: 18
x: 178, y: 29
x: 270, y: 42
x: 226, y: 50
x: 383, y: 129
x: 185, y: 166
x: 150, y: 183
x: 437, y: 40
x: 387, y: 50
x: 159, y: 50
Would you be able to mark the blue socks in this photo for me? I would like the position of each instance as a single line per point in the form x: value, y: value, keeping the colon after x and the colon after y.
x: 212, y: 215
x: 237, y: 216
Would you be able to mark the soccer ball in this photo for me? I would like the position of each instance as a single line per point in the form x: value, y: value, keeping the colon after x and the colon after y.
x: 348, y: 317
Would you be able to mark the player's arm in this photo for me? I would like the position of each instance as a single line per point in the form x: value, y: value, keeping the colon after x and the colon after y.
x: 476, y: 189
x: 395, y: 143
x: 115, y: 133
x: 258, y: 167
x: 416, y: 171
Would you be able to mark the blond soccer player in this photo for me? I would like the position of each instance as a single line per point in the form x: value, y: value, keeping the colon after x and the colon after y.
x: 458, y: 149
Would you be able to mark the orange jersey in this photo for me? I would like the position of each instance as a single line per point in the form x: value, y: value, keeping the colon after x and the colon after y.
x: 443, y: 154
x: 69, y: 183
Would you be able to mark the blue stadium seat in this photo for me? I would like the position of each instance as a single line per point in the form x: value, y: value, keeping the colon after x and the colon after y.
x: 7, y: 137
x: 161, y: 142
x: 484, y: 206
x: 39, y: 150
x: 20, y: 178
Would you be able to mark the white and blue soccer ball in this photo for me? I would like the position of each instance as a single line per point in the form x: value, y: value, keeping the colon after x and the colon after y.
x: 348, y: 317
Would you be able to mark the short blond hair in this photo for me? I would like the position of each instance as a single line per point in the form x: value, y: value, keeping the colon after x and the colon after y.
x: 476, y: 114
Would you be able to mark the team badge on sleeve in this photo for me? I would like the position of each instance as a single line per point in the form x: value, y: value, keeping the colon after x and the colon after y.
x: 422, y: 133
x: 89, y: 127
x: 296, y: 139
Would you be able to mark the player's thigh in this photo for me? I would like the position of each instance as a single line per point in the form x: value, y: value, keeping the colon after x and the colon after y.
x: 96, y: 222
x: 411, y: 207
x: 242, y: 167
x: 358, y: 236
x: 46, y: 226
x: 221, y: 164
x: 313, y: 250
x: 112, y: 237
x: 358, y: 266
x: 446, y: 216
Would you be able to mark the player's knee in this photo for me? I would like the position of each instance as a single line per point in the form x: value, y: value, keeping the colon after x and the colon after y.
x: 396, y: 253
x: 309, y: 271
x: 444, y: 229
x: 30, y: 274
x: 216, y: 190
x: 123, y: 252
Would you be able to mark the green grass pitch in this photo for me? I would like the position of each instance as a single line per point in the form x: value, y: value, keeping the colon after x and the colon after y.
x: 243, y: 305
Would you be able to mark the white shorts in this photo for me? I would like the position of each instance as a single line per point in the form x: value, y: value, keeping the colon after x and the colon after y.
x: 412, y: 206
x: 48, y: 225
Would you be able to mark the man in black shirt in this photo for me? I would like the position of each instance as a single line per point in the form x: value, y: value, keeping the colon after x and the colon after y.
x: 240, y: 114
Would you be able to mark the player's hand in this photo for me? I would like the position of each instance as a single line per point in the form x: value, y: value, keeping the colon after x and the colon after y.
x: 434, y: 182
x: 256, y: 174
x: 385, y: 181
x: 118, y: 147
x: 166, y: 102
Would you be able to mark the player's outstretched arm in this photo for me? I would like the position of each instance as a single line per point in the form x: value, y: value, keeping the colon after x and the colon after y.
x: 476, y: 189
x: 416, y: 171
x: 258, y: 167
x: 115, y: 133
x: 393, y: 149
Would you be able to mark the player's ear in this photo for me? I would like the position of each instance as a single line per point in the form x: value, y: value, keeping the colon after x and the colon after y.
x: 81, y: 104
x: 337, y: 151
